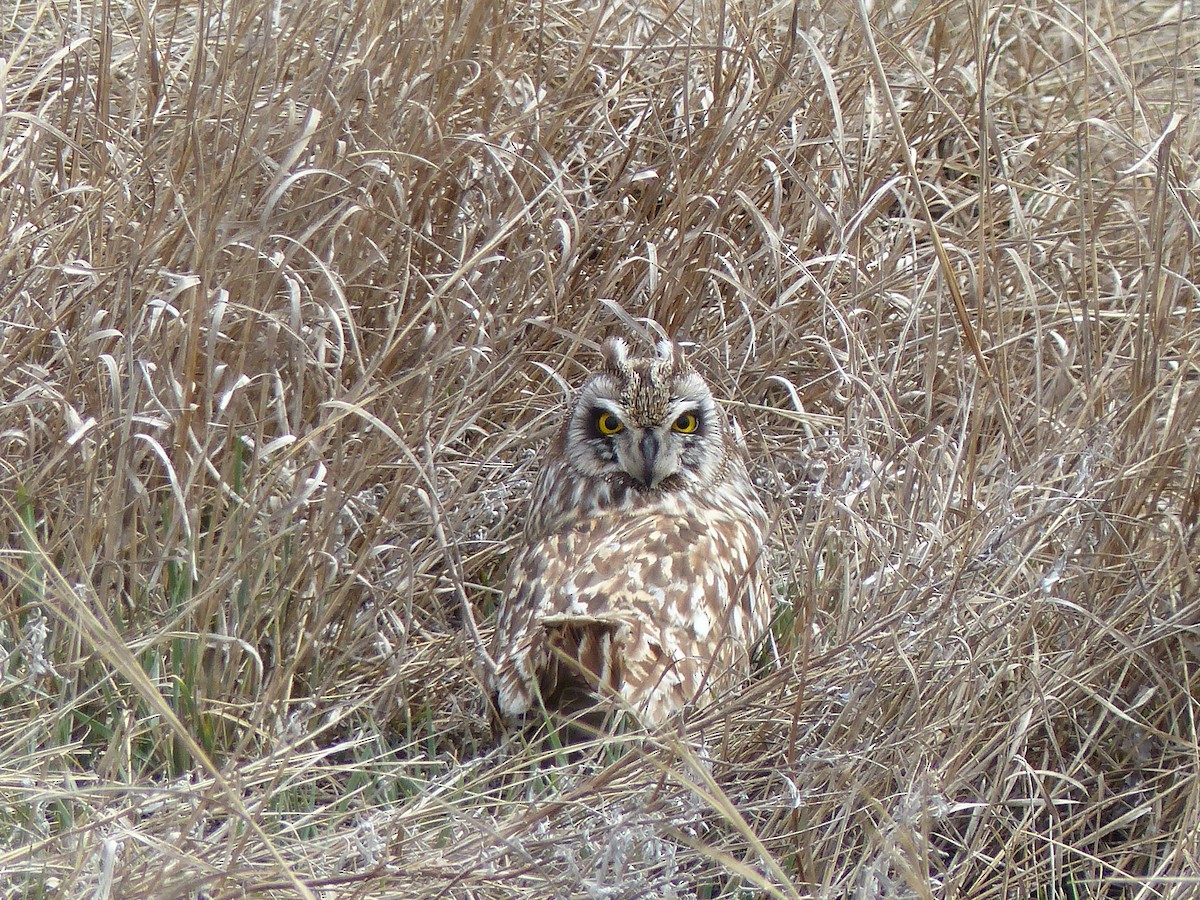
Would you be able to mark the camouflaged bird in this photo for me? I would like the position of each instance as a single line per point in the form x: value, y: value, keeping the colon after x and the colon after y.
x: 641, y: 577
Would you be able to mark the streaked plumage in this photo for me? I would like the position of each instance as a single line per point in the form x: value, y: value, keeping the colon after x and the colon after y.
x: 641, y: 571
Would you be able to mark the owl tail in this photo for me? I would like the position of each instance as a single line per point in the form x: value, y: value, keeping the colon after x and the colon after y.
x: 583, y: 663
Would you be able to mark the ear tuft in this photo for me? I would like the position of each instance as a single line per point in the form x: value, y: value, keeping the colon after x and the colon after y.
x: 616, y: 355
x: 671, y: 352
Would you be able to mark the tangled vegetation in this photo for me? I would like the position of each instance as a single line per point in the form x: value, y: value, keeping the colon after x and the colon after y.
x: 290, y: 295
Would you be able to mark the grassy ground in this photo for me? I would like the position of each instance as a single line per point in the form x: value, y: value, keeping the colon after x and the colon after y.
x: 288, y: 298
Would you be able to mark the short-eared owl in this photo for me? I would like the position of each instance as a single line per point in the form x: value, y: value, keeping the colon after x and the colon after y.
x: 641, y: 572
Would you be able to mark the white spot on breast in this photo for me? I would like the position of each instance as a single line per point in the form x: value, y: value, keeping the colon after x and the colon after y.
x: 575, y: 605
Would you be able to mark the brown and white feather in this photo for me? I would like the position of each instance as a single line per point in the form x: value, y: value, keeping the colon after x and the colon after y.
x: 641, y: 571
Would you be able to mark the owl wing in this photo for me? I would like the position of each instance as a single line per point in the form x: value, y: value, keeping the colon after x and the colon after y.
x: 651, y: 607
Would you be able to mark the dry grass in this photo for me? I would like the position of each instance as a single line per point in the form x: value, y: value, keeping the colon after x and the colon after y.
x: 288, y: 295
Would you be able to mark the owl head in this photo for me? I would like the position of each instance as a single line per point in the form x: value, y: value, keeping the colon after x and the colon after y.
x: 650, y: 423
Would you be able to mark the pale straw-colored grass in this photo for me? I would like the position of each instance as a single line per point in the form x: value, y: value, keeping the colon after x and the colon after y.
x: 289, y: 298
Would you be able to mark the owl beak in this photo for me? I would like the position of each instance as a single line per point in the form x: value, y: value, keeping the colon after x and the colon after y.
x: 649, y: 447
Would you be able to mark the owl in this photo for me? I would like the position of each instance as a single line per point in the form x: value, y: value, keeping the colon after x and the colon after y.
x: 640, y: 580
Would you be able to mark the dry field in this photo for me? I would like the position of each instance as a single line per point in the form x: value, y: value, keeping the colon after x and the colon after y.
x: 290, y: 295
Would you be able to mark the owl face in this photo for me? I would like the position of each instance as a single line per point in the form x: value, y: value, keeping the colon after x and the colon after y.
x: 651, y: 423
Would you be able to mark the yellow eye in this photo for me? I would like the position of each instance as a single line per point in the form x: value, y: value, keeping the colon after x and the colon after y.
x: 607, y: 423
x: 686, y: 424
